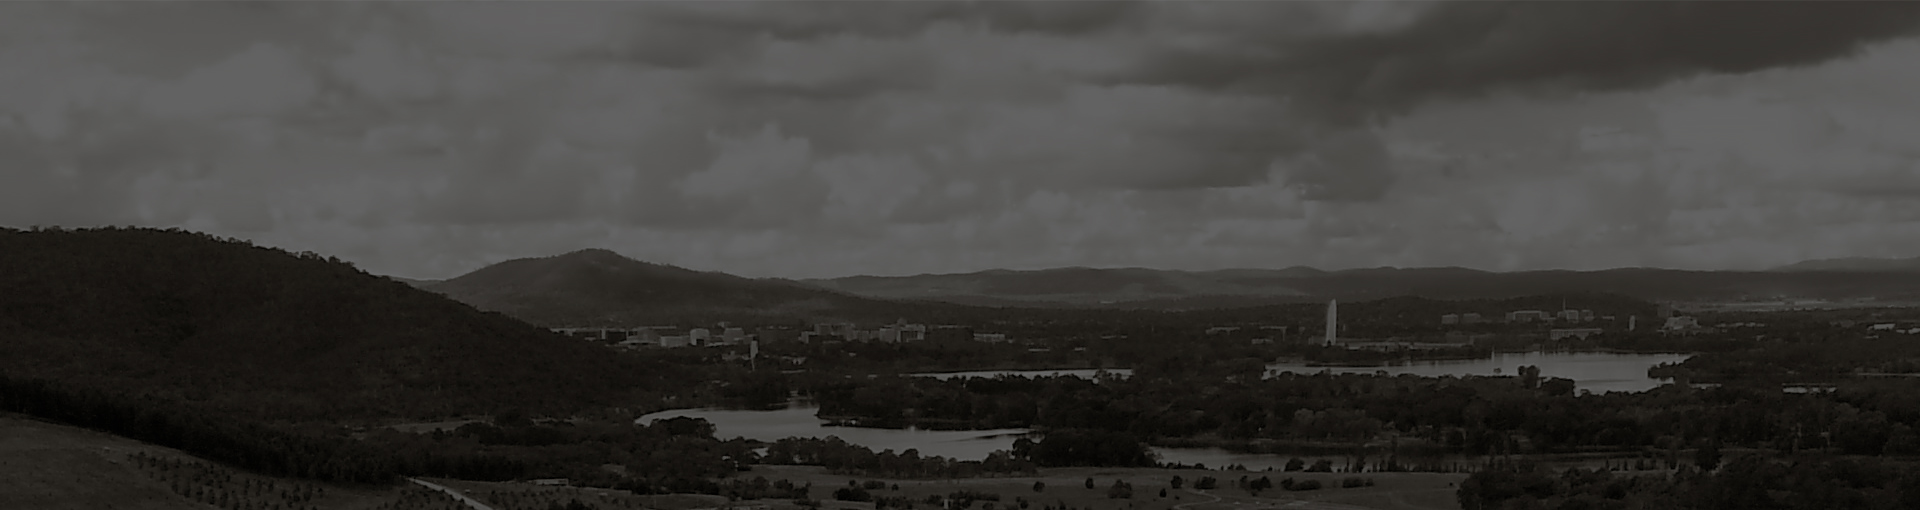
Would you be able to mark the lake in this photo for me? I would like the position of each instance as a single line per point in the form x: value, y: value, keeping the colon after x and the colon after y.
x: 799, y: 421
x: 1596, y: 372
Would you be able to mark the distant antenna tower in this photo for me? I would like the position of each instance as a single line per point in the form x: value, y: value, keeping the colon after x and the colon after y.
x: 1333, y: 319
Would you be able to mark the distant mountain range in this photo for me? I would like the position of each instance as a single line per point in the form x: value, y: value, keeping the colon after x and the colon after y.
x: 596, y: 286
x: 1160, y: 289
x: 1854, y: 264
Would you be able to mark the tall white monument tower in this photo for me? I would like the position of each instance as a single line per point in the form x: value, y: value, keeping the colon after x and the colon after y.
x: 1333, y: 319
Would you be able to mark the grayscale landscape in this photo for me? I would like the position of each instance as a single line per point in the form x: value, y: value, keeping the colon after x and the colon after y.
x: 959, y: 255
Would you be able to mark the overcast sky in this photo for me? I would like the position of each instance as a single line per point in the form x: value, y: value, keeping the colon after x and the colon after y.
x: 427, y: 139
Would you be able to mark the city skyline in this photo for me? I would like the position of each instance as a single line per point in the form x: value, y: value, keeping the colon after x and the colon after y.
x: 808, y: 139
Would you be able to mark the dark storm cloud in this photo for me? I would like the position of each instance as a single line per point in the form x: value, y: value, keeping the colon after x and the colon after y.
x: 691, y: 35
x: 808, y: 20
x: 1472, y: 49
x: 900, y: 75
x: 803, y: 138
x: 1067, y: 18
x: 1467, y: 50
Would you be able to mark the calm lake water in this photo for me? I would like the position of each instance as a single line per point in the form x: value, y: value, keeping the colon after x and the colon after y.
x: 1596, y: 372
x: 799, y: 421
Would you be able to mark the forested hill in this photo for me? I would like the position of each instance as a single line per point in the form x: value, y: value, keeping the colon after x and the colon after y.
x: 601, y: 288
x: 1186, y: 290
x: 220, y: 322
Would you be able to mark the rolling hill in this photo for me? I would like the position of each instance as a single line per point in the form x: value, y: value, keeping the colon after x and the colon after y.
x: 1167, y: 289
x: 220, y: 323
x: 1854, y: 264
x: 596, y: 287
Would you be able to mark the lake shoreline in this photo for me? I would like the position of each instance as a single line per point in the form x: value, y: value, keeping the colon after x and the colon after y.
x: 1083, y: 367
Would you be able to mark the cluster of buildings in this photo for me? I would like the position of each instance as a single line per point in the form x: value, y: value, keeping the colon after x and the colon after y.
x: 846, y: 331
x: 1522, y: 317
x: 726, y: 335
x: 662, y: 336
x: 1566, y: 316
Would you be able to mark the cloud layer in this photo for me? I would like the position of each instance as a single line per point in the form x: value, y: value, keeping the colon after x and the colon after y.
x: 823, y: 139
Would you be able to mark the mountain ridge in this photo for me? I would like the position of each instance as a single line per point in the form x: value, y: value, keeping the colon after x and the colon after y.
x: 601, y: 287
x: 1118, y: 286
x: 1853, y: 264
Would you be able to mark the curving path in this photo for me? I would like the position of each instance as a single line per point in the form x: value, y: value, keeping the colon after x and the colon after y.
x: 476, y: 504
x: 1182, y: 506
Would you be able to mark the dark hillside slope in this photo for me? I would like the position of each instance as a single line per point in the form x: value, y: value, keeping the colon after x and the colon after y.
x: 279, y: 335
x: 601, y: 288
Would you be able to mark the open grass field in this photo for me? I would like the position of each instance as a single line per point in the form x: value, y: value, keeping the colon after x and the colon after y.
x: 526, y: 496
x: 1065, y: 488
x: 47, y: 466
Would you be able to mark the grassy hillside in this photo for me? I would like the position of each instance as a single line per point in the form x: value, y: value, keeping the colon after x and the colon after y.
x: 46, y: 466
x: 224, y: 324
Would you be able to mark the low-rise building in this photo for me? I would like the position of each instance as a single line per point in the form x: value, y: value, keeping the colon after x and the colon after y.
x: 644, y: 335
x: 1526, y: 316
x: 1565, y: 333
x: 1575, y: 315
x: 1452, y: 318
x: 776, y: 334
x: 913, y: 332
x: 842, y: 330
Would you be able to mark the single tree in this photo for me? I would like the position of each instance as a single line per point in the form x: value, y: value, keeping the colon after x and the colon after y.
x: 1708, y: 456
